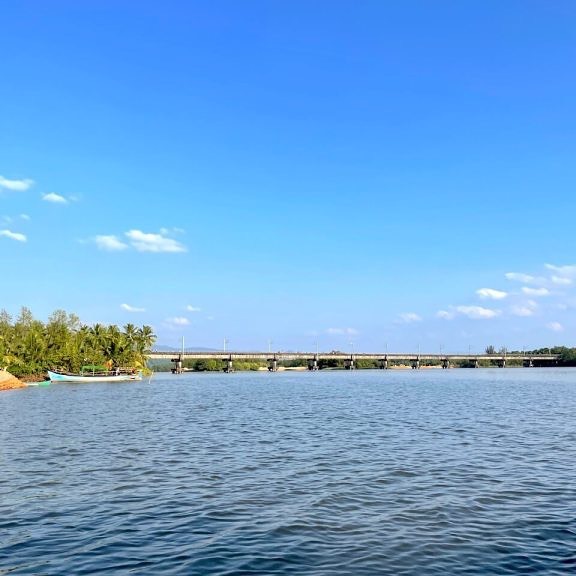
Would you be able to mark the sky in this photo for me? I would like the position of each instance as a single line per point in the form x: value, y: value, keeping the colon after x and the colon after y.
x: 293, y: 174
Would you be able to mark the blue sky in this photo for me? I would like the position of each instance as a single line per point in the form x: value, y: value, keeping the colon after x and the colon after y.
x: 363, y: 175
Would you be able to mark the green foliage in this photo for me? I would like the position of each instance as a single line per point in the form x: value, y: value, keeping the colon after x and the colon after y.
x: 218, y: 365
x: 205, y: 365
x: 567, y: 355
x: 363, y: 363
x: 324, y: 363
x: 160, y: 365
x: 247, y: 365
x: 296, y: 363
x: 29, y: 346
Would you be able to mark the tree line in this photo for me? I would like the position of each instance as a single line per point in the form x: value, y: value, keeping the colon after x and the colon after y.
x: 566, y: 355
x: 31, y: 347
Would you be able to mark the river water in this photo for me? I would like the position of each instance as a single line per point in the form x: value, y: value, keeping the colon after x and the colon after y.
x: 430, y: 472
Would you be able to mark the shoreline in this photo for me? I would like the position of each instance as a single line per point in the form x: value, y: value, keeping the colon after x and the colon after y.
x: 9, y: 381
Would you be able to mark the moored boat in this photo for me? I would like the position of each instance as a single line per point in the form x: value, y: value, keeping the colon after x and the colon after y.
x: 103, y: 376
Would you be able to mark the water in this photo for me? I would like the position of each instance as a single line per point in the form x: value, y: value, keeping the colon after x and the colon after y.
x: 431, y: 472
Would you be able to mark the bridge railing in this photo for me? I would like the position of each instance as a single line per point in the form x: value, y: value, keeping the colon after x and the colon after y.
x: 344, y: 355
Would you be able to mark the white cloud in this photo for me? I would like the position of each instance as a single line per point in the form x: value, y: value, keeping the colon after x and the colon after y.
x: 342, y: 331
x: 561, y: 281
x: 535, y: 291
x: 473, y: 312
x: 562, y: 275
x: 522, y: 311
x: 178, y: 321
x: 445, y: 314
x: 169, y: 231
x: 491, y: 294
x: 54, y: 198
x: 555, y: 326
x: 13, y: 235
x: 110, y: 243
x: 15, y: 185
x: 409, y: 317
x: 477, y: 312
x: 129, y: 308
x: 6, y: 220
x: 519, y: 277
x: 569, y: 270
x: 148, y: 242
x: 193, y: 308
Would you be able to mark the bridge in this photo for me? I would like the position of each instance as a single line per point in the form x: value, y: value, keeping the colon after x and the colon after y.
x: 383, y: 360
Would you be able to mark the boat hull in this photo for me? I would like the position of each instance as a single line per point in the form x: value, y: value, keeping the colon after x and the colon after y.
x: 61, y: 377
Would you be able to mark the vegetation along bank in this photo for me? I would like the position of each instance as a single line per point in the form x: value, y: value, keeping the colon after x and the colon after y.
x: 30, y: 347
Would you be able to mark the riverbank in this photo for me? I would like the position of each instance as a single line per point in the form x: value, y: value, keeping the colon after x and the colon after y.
x: 9, y: 382
x: 33, y: 377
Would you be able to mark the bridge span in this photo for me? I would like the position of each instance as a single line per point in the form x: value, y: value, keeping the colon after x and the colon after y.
x: 383, y: 360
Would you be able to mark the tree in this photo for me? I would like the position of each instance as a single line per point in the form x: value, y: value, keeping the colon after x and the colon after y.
x: 144, y: 339
x: 28, y: 346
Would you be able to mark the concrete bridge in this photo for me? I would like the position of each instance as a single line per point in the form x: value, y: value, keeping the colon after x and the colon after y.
x: 384, y: 361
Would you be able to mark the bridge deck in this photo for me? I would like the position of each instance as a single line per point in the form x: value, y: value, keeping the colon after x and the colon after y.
x: 190, y: 354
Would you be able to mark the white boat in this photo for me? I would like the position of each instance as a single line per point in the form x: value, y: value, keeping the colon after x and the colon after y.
x: 107, y: 376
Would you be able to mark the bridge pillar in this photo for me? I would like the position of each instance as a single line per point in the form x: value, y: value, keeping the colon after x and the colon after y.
x: 383, y: 363
x: 416, y: 363
x: 476, y: 363
x: 530, y: 363
x: 272, y: 365
x: 313, y: 363
x: 177, y: 365
x: 503, y: 363
x: 349, y: 363
x: 229, y: 366
x: 445, y: 363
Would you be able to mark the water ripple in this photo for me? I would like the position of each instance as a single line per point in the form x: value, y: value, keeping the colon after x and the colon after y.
x: 450, y: 473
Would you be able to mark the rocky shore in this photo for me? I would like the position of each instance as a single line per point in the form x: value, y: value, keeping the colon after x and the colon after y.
x: 9, y: 382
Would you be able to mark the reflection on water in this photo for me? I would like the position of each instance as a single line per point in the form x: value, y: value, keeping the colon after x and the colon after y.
x: 465, y: 472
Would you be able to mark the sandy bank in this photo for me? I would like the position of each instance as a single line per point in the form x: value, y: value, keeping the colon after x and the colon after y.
x: 9, y: 382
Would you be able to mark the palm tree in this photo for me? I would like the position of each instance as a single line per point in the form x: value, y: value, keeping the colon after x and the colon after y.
x: 130, y: 333
x: 145, y: 337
